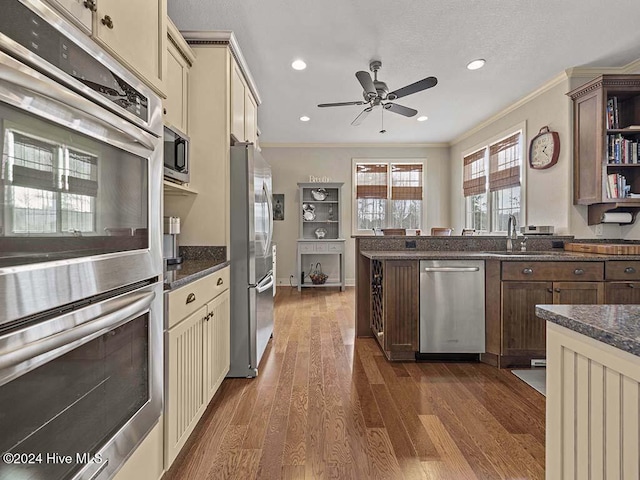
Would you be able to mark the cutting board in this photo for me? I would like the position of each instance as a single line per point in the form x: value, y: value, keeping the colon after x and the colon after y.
x: 604, y: 248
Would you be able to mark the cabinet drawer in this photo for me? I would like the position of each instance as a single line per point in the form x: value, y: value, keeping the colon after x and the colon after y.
x: 321, y: 247
x: 307, y: 247
x: 553, y: 271
x: 621, y: 270
x: 183, y: 301
x: 335, y: 247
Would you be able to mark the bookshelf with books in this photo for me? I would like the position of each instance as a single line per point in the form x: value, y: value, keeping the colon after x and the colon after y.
x: 606, y: 115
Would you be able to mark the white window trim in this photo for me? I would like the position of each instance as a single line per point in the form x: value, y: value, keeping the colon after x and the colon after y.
x: 388, y: 161
x: 522, y: 127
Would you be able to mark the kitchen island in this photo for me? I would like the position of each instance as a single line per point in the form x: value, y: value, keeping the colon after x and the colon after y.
x: 593, y: 385
x: 388, y: 267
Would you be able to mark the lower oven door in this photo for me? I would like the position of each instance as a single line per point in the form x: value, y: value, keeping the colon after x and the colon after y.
x: 80, y: 391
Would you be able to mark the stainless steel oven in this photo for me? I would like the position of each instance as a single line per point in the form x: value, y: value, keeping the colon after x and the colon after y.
x: 80, y: 245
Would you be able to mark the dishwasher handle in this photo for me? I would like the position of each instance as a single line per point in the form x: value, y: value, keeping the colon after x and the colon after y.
x: 452, y: 269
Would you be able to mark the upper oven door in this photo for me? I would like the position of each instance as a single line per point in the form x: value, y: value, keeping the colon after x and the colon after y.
x: 79, y: 196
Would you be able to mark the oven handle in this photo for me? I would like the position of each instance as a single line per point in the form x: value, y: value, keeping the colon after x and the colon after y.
x: 44, y: 347
x: 21, y: 76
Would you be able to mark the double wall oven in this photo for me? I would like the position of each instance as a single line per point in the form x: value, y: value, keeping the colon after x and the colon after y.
x: 80, y: 252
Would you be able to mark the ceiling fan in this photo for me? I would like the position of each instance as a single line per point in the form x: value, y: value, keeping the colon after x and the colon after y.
x: 377, y: 93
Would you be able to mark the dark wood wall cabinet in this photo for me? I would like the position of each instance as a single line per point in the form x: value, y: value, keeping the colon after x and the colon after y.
x: 606, y: 119
x: 395, y: 312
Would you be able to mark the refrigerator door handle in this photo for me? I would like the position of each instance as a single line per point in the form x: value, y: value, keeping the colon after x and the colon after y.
x: 267, y: 194
x: 265, y: 284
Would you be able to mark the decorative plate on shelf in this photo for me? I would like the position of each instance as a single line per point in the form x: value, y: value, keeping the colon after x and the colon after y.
x: 309, y: 215
x: 319, y: 194
x: 320, y: 233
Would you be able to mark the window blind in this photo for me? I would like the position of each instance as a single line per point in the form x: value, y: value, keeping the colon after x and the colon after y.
x: 406, y: 182
x: 371, y: 181
x: 475, y: 176
x: 504, y: 163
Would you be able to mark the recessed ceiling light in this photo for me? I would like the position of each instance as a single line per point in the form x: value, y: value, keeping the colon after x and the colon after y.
x: 422, y: 118
x: 304, y: 118
x: 476, y: 64
x: 298, y: 65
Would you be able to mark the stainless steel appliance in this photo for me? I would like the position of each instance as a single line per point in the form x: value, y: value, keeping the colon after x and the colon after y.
x: 80, y: 249
x: 176, y: 155
x: 452, y: 306
x: 251, y: 259
x: 537, y: 230
x: 170, y: 244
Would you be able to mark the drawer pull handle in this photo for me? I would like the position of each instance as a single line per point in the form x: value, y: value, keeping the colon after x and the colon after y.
x: 220, y: 282
x: 629, y: 270
x: 527, y: 271
x: 107, y: 22
x: 631, y: 285
x: 578, y: 271
x: 191, y: 298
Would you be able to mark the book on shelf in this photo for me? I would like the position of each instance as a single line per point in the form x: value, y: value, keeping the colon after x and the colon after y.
x: 622, y: 150
x: 617, y: 186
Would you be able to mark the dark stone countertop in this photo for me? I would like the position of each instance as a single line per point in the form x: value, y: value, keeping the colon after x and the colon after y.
x: 544, y: 255
x: 177, y: 276
x: 615, y: 325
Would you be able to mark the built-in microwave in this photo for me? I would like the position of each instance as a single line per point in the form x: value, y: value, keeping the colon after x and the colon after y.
x: 176, y: 155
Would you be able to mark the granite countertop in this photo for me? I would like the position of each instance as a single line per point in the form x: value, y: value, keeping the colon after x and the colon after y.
x: 177, y: 276
x: 546, y: 255
x: 615, y: 325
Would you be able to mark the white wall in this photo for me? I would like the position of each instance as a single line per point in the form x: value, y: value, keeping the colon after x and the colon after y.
x: 291, y: 165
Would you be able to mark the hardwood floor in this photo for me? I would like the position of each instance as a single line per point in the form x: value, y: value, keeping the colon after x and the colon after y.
x: 328, y: 406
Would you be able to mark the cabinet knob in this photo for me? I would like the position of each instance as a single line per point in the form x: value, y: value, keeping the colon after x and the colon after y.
x: 90, y: 5
x: 557, y: 290
x: 220, y: 282
x: 107, y: 22
x: 164, y: 111
x: 191, y: 298
x: 578, y: 271
x: 629, y: 270
x: 527, y: 271
x: 631, y: 285
x: 550, y: 290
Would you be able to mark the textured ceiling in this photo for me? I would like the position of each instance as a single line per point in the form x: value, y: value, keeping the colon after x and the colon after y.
x: 525, y: 43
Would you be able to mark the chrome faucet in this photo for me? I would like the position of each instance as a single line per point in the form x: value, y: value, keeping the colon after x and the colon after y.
x: 511, y: 232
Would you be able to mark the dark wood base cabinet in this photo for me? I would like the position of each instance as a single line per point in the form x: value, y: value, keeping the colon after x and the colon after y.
x: 395, y: 312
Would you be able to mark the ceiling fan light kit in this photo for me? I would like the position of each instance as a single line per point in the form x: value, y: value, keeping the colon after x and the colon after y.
x: 376, y: 93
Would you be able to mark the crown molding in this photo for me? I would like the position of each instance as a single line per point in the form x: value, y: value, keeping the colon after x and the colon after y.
x: 557, y: 80
x: 178, y: 41
x: 354, y: 145
x: 225, y: 37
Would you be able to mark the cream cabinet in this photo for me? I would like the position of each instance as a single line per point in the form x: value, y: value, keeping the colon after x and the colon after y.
x: 135, y: 33
x: 244, y: 109
x: 197, y: 346
x: 216, y: 78
x: 78, y: 11
x: 146, y: 462
x: 180, y: 57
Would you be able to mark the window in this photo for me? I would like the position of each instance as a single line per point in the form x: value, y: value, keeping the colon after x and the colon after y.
x: 51, y: 188
x: 490, y: 199
x: 387, y: 194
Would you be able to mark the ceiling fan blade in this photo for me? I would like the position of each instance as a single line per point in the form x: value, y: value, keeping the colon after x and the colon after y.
x: 401, y: 109
x: 413, y: 88
x: 367, y: 84
x: 363, y: 114
x: 341, y: 104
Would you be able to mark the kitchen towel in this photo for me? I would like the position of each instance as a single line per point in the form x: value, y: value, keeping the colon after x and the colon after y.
x: 616, y: 217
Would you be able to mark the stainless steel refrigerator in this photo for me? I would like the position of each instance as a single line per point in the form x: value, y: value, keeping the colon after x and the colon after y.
x: 251, y: 259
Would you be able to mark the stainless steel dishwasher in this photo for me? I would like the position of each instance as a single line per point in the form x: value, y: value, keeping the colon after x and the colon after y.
x: 452, y: 306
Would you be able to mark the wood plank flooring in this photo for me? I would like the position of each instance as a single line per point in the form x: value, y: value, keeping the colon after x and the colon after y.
x: 326, y: 405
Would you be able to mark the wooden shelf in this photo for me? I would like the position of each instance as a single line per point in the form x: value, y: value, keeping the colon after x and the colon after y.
x: 174, y: 189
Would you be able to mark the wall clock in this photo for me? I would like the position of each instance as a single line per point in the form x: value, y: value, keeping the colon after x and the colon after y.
x: 544, y: 149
